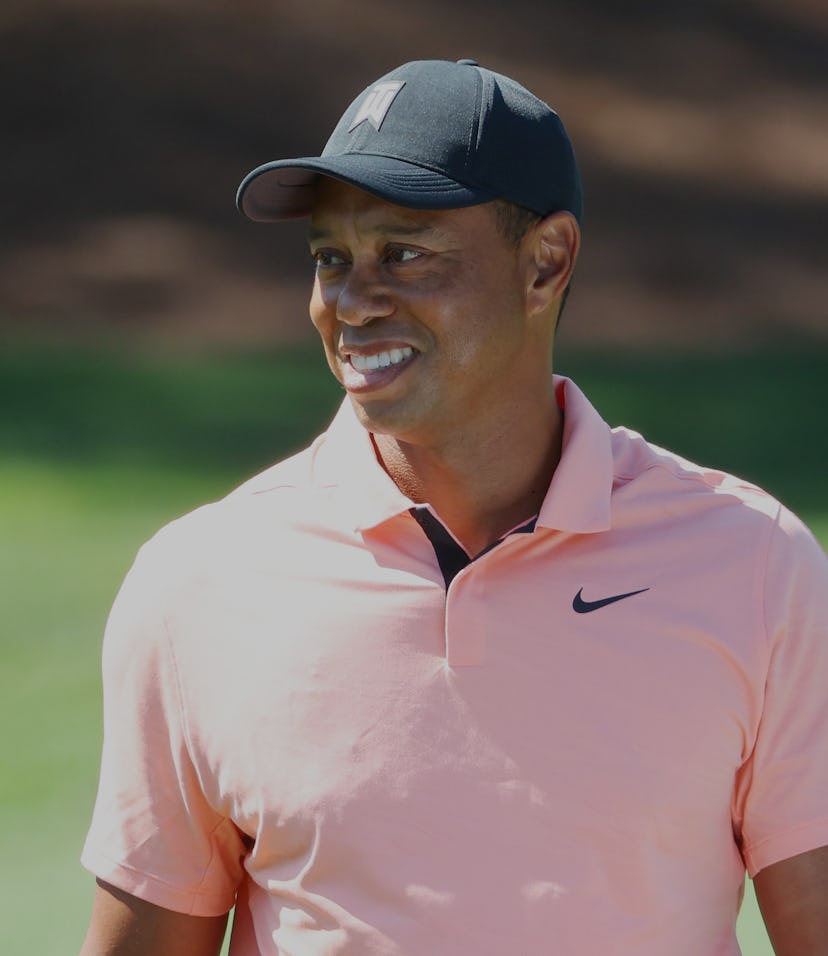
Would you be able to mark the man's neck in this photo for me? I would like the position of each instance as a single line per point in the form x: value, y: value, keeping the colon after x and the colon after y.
x: 480, y: 486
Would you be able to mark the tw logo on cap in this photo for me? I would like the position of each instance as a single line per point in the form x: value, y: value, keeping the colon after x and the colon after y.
x: 377, y: 103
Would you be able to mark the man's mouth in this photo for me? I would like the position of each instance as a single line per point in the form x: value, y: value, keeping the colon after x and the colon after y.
x: 369, y: 363
x: 365, y: 371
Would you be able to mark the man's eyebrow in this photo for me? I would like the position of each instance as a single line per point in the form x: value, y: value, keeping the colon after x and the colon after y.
x: 317, y: 233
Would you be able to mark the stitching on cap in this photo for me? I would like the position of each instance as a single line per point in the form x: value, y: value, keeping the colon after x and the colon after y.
x: 486, y: 103
x: 477, y: 125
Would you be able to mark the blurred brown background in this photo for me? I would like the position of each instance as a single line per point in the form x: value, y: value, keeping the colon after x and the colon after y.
x: 700, y: 128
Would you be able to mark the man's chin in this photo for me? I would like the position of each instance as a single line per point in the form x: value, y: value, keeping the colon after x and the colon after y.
x: 387, y: 418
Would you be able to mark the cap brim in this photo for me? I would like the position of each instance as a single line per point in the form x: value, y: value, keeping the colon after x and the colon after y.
x: 284, y: 189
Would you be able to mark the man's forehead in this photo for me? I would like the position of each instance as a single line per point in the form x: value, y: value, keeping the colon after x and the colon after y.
x: 333, y: 198
x: 337, y: 203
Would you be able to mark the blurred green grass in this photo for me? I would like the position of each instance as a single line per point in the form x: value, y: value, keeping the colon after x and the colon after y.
x: 99, y: 448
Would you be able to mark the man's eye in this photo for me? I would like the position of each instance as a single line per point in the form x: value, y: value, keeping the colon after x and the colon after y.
x: 324, y: 258
x: 398, y: 254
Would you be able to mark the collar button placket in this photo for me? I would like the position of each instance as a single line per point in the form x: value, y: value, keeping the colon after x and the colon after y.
x: 465, y: 619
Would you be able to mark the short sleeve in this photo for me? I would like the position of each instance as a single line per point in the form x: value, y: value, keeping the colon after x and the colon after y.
x: 782, y: 790
x: 153, y: 832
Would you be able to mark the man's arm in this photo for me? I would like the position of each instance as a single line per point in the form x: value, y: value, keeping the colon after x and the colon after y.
x: 123, y: 925
x: 793, y: 898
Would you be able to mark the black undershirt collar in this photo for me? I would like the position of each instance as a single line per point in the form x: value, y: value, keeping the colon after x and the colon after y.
x: 450, y: 556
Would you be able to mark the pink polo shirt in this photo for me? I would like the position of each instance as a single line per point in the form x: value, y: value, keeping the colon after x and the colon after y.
x: 575, y: 748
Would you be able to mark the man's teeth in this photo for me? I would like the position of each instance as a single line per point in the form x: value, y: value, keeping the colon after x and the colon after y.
x: 367, y: 363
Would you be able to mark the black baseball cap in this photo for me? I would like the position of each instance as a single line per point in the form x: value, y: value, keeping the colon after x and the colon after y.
x: 432, y: 134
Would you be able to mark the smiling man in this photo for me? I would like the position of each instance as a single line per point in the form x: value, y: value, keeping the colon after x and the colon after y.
x: 474, y: 674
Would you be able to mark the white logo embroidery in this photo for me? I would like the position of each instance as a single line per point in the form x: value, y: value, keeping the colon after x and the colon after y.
x: 376, y: 104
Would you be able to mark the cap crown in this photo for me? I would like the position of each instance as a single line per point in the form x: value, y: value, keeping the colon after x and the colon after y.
x: 471, y: 124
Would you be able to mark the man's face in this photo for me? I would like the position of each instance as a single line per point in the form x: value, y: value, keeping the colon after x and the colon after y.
x: 421, y: 313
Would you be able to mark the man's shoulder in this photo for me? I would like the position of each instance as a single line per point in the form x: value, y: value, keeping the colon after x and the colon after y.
x: 653, y: 468
x: 656, y: 490
x: 293, y: 473
x: 282, y: 494
x: 219, y: 547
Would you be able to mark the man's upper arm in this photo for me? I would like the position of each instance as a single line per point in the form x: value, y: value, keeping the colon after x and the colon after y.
x: 123, y: 925
x: 155, y: 830
x: 793, y: 898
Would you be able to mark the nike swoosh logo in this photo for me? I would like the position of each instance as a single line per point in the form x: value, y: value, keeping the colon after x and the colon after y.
x: 584, y: 607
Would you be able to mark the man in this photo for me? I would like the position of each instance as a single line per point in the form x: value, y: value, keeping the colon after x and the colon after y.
x: 473, y: 674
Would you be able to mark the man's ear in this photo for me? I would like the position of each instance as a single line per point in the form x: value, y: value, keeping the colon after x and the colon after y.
x: 552, y: 249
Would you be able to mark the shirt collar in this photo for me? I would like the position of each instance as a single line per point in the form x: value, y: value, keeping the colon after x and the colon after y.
x: 578, y: 499
x: 347, y: 459
x: 579, y: 495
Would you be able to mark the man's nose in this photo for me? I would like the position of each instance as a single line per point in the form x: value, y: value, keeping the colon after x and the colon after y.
x: 363, y: 296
